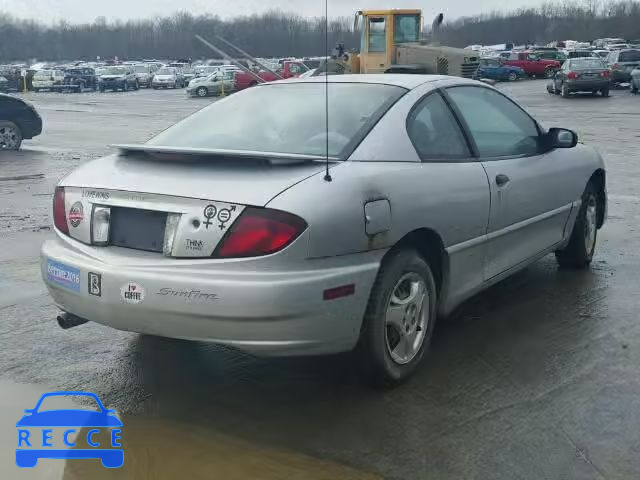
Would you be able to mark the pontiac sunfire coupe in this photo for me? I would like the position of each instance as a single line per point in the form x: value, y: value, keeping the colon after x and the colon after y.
x: 228, y: 228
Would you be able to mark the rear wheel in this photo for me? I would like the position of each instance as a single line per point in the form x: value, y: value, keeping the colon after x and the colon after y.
x: 549, y: 72
x: 605, y: 92
x: 399, y: 320
x: 513, y: 76
x: 10, y: 135
x: 564, y: 91
x: 579, y: 251
x: 202, y: 91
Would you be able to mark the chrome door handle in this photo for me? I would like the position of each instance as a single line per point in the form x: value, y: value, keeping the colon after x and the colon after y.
x: 502, y: 179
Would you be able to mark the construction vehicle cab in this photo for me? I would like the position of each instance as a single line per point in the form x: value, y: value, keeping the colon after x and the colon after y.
x: 380, y: 32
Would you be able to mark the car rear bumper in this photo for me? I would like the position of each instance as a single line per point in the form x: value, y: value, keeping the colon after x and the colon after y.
x: 587, y: 85
x: 260, y: 311
x: 112, y: 84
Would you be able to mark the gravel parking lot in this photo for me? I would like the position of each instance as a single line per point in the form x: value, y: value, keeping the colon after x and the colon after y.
x: 537, y: 378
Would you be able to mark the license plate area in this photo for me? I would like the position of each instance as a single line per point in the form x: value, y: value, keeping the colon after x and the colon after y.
x: 137, y: 229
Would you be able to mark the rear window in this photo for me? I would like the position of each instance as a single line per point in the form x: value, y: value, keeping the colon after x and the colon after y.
x: 629, y: 56
x: 286, y: 118
x: 584, y: 63
x: 44, y: 73
x: 166, y: 71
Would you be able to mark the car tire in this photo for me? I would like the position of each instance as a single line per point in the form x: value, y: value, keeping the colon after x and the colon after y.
x: 136, y: 87
x: 605, y: 92
x: 383, y: 363
x: 582, y: 244
x: 10, y: 136
x: 549, y: 72
x: 101, y: 89
x: 512, y: 77
x: 36, y: 90
x: 202, y: 91
x: 564, y: 91
x: 125, y: 86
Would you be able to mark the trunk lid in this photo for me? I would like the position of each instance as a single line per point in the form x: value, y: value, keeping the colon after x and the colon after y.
x: 174, y: 206
x: 232, y: 179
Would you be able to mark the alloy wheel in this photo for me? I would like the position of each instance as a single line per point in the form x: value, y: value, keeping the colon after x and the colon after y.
x: 407, y: 318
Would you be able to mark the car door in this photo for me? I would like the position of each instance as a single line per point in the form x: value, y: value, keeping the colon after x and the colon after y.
x: 529, y: 202
x: 463, y: 205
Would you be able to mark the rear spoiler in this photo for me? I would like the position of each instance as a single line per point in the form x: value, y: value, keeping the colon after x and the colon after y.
x: 177, y: 153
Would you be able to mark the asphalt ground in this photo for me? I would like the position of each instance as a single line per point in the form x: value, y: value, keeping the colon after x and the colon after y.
x: 537, y: 378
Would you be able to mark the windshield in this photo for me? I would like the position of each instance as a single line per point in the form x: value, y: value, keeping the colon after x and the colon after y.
x: 165, y: 71
x: 141, y: 69
x: 255, y: 120
x: 586, y: 63
x: 406, y: 28
x: 113, y: 71
x: 629, y: 56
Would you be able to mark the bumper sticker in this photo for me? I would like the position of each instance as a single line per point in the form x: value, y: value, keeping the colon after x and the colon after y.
x: 132, y: 293
x: 63, y: 275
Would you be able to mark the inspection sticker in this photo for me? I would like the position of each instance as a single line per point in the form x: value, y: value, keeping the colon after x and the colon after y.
x: 63, y: 275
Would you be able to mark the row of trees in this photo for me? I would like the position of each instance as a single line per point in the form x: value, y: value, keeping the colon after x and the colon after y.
x: 281, y: 34
x: 551, y: 21
x: 270, y: 34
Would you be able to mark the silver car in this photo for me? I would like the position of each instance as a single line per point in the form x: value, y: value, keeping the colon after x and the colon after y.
x: 250, y: 225
x: 214, y: 84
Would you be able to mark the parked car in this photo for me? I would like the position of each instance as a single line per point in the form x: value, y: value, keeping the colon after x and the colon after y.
x: 188, y: 74
x: 4, y: 85
x: 622, y: 63
x: 551, y: 55
x: 240, y: 193
x: 79, y: 78
x: 581, y: 75
x: 289, y: 69
x: 635, y: 80
x: 19, y: 121
x: 119, y: 77
x: 12, y: 74
x: 144, y: 74
x: 212, y: 85
x: 532, y: 64
x: 47, y: 79
x: 167, y: 77
x: 495, y: 69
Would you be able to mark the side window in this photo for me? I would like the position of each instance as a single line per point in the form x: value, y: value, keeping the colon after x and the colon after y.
x: 498, y: 126
x: 434, y: 132
x: 377, y: 35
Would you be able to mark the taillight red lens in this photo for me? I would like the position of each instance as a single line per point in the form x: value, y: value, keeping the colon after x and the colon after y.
x: 572, y: 75
x: 615, y: 66
x: 260, y: 231
x: 606, y: 74
x: 59, y: 212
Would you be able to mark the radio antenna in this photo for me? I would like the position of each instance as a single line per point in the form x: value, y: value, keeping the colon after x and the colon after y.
x: 327, y: 175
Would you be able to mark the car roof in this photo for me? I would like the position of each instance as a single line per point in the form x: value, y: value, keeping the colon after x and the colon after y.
x: 407, y: 80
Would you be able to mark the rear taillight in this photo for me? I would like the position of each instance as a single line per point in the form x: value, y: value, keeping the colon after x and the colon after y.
x: 260, y: 231
x: 606, y: 74
x: 59, y: 212
x: 572, y: 75
x: 615, y: 66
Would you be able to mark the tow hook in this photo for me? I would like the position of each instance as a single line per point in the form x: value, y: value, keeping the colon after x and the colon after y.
x: 68, y: 320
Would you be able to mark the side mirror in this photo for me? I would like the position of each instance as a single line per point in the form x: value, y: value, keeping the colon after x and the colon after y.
x: 562, y: 138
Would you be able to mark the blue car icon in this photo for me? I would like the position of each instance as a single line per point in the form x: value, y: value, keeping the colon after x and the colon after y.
x: 28, y: 457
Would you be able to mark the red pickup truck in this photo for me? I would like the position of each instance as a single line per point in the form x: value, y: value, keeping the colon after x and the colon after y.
x: 532, y: 64
x: 289, y: 69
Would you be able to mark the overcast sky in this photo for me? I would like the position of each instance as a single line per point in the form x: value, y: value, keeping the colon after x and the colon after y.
x: 87, y: 10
